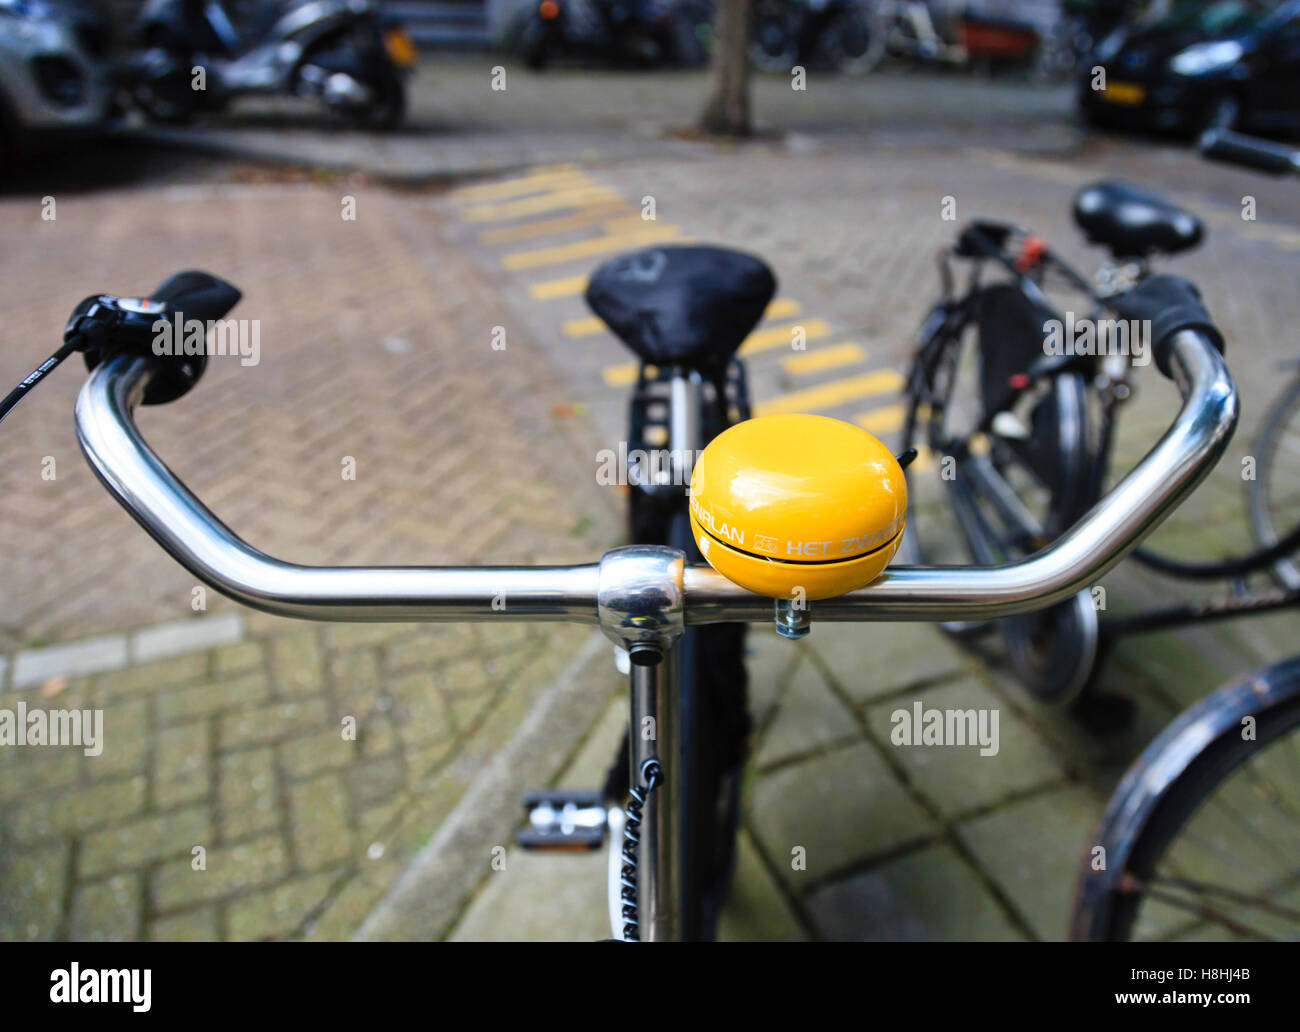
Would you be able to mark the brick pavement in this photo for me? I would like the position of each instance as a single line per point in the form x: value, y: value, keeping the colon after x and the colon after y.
x: 237, y: 749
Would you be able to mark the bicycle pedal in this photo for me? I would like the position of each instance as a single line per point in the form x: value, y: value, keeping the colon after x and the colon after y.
x: 563, y: 821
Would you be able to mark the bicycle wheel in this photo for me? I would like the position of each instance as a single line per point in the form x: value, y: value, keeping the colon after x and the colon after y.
x: 859, y: 40
x: 1274, y: 495
x: 1202, y: 837
x: 715, y: 726
x: 1050, y: 472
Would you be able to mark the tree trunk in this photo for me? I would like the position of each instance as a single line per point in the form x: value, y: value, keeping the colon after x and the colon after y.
x: 727, y: 110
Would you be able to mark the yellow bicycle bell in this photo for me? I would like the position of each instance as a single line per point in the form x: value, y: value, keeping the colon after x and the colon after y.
x: 798, y: 503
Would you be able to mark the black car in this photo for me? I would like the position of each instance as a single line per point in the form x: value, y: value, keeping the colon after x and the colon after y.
x: 1228, y: 64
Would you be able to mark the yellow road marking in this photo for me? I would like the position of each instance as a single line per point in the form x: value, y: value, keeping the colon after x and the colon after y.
x: 587, y: 248
x: 879, y: 421
x: 591, y: 325
x: 823, y: 358
x: 517, y: 185
x: 587, y: 327
x: 623, y: 374
x: 827, y: 395
x: 566, y: 287
x: 782, y: 308
x: 783, y: 336
x: 559, y: 224
x: 557, y: 200
x: 924, y: 461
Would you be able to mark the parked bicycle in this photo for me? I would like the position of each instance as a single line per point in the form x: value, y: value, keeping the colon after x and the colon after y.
x: 1024, y: 423
x: 1202, y: 836
x: 768, y: 509
x: 845, y: 35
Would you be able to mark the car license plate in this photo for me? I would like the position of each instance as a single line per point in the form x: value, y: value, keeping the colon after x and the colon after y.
x: 1128, y: 93
x: 400, y: 47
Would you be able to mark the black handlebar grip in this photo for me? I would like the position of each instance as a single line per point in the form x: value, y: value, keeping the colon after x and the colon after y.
x: 197, y: 295
x: 1261, y: 155
x: 1169, y: 304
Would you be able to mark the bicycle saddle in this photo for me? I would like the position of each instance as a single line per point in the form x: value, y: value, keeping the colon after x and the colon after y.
x: 1132, y: 222
x: 798, y: 506
x: 687, y: 305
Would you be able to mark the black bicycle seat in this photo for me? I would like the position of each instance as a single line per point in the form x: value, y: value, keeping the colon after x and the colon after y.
x: 1132, y: 222
x: 688, y: 305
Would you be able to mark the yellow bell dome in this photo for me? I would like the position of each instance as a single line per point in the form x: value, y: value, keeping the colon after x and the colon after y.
x: 798, y: 506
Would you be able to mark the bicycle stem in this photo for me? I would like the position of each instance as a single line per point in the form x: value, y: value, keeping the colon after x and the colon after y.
x: 199, y: 541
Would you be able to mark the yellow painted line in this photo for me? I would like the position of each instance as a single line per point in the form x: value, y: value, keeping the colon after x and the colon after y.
x: 879, y: 421
x: 591, y: 325
x: 556, y: 200
x: 828, y: 395
x: 623, y: 374
x: 783, y: 336
x: 587, y: 327
x: 782, y: 308
x: 586, y: 248
x: 823, y: 358
x: 566, y: 287
x: 517, y: 186
x: 924, y: 461
x: 595, y: 213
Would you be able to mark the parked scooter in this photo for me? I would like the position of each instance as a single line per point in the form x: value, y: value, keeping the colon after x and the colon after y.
x: 840, y: 34
x: 636, y: 33
x: 330, y: 49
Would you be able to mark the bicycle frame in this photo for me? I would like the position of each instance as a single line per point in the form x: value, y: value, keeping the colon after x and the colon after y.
x: 643, y: 596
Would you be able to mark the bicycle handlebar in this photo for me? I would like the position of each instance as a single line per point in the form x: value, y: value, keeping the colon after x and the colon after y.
x: 201, y: 543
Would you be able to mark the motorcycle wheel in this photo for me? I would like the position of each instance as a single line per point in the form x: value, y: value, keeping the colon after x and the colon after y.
x: 859, y: 43
x: 388, y: 108
x: 167, y: 100
x: 534, y: 46
x: 773, y: 48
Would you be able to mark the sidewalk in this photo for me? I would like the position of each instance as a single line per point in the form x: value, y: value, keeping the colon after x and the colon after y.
x: 224, y: 729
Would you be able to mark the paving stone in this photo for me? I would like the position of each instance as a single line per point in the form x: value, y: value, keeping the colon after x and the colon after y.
x: 346, y: 910
x: 419, y: 710
x: 201, y: 700
x: 87, y: 656
x: 78, y: 810
x: 126, y: 734
x: 539, y: 897
x: 34, y: 770
x: 433, y: 645
x: 317, y: 751
x: 157, y: 676
x: 756, y: 910
x: 350, y: 635
x: 247, y: 788
x: 929, y: 895
x: 32, y: 885
x: 181, y: 764
x: 769, y: 659
x: 809, y: 717
x: 870, y: 660
x: 1032, y: 850
x: 229, y: 870
x: 320, y: 826
x: 142, y: 841
x: 297, y: 664
x: 955, y: 778
x: 182, y: 636
x: 271, y: 723
x: 274, y: 913
x: 198, y: 925
x: 237, y: 658
x: 107, y: 911
x: 374, y: 781
x: 840, y: 808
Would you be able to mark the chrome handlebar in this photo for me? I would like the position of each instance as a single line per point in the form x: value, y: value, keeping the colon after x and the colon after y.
x: 199, y: 541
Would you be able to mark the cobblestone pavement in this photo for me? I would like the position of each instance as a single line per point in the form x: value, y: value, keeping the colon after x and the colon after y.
x: 376, y: 345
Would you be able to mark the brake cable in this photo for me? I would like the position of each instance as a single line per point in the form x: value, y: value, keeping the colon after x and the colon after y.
x: 36, y: 376
x: 653, y: 775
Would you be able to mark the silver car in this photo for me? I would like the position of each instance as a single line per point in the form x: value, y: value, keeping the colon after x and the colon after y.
x: 56, y: 73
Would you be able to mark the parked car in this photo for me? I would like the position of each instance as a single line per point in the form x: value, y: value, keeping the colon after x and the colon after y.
x: 56, y: 72
x: 1230, y: 64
